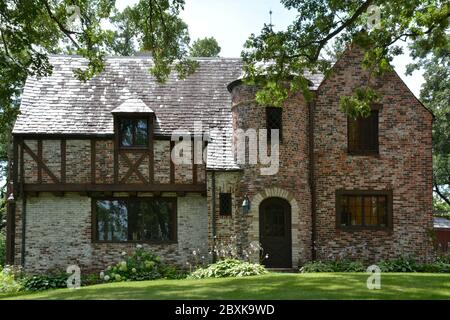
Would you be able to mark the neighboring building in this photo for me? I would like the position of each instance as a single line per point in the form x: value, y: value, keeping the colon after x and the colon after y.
x: 442, y: 230
x: 93, y: 175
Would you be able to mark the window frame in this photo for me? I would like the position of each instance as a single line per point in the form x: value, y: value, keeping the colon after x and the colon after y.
x: 174, y: 216
x: 280, y: 129
x: 133, y: 116
x: 366, y: 152
x: 357, y: 192
x: 230, y: 199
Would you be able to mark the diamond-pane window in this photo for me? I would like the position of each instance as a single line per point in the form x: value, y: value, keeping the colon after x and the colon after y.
x: 274, y: 117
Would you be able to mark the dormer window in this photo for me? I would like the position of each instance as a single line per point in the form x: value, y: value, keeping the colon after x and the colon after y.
x: 133, y: 125
x: 133, y: 132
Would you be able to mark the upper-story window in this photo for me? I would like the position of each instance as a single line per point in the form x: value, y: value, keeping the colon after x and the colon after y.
x: 363, y: 134
x: 274, y: 119
x: 133, y: 133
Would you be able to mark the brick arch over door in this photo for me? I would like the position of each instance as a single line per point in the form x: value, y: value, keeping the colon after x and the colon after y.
x: 295, y: 217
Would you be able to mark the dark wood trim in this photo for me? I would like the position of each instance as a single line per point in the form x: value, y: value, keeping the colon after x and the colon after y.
x: 59, y: 136
x: 10, y: 233
x: 174, y: 215
x: 39, y: 155
x: 39, y: 162
x: 369, y: 192
x: 93, y: 157
x: 172, y: 164
x: 129, y: 187
x: 63, y: 160
x: 22, y: 167
x: 116, y: 150
x: 15, y: 160
x: 151, y: 153
x: 133, y: 167
x: 194, y: 165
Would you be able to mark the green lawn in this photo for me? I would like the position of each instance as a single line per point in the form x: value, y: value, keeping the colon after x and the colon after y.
x: 270, y: 286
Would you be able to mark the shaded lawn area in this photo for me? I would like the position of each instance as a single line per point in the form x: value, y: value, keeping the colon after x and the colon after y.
x: 270, y: 286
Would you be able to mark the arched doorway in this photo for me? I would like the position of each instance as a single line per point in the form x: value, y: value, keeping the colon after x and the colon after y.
x: 275, y: 232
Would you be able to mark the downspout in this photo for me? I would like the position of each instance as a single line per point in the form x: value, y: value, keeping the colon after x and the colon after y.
x: 213, y: 209
x: 312, y: 183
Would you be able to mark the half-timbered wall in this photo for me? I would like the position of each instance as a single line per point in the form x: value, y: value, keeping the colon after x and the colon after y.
x: 81, y: 164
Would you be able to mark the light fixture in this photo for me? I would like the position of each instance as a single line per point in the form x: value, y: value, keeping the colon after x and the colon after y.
x: 11, y: 198
x: 246, y: 205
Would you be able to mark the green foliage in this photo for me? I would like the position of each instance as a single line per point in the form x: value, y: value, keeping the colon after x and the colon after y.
x: 44, y: 282
x: 440, y: 265
x: 360, y: 103
x: 333, y: 266
x: 141, y: 265
x: 287, y: 54
x: 435, y: 94
x: 2, y: 248
x: 8, y: 282
x: 228, y: 268
x: 206, y: 47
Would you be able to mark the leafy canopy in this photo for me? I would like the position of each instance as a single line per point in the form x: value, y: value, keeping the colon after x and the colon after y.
x: 435, y: 94
x: 206, y: 47
x: 273, y: 57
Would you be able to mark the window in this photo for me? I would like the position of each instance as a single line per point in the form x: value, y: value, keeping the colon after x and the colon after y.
x: 138, y: 220
x: 274, y: 118
x: 225, y: 204
x: 133, y: 133
x: 363, y: 134
x: 364, y: 209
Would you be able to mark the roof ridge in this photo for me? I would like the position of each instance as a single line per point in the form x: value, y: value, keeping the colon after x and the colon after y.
x: 140, y: 57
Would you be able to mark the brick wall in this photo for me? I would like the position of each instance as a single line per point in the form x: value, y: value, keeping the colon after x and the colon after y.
x: 58, y: 233
x: 403, y: 165
x: 291, y: 181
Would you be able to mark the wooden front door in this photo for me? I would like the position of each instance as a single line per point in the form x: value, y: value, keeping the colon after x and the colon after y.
x: 275, y: 232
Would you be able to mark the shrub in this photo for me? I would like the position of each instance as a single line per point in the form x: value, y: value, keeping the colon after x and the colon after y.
x: 228, y: 268
x: 398, y: 265
x: 333, y: 266
x: 142, y: 265
x: 8, y: 282
x: 44, y: 282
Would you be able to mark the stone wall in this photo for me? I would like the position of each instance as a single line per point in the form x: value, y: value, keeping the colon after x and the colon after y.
x: 403, y: 165
x: 58, y: 233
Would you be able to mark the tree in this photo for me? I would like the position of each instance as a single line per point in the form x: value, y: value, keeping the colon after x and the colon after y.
x: 206, y: 47
x: 32, y: 29
x: 435, y: 94
x: 271, y: 58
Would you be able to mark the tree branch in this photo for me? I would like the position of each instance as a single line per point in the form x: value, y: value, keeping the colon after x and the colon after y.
x: 61, y: 27
x: 440, y: 194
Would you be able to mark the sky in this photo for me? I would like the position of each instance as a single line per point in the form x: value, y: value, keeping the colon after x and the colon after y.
x: 231, y: 22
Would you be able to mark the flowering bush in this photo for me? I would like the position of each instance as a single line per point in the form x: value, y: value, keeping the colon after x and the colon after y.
x: 8, y: 283
x: 141, y: 265
x: 228, y: 268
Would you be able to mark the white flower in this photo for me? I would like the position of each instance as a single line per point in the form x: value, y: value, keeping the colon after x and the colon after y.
x: 106, y: 278
x: 139, y: 246
x: 123, y: 253
x: 102, y: 275
x: 194, y: 253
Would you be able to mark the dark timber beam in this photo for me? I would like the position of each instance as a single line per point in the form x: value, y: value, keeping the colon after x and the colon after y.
x: 71, y: 187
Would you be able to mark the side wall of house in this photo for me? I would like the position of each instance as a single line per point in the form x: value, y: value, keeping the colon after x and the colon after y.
x: 404, y: 165
x: 58, y: 234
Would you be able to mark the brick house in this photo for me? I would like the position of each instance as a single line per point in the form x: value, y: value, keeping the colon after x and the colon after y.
x: 92, y: 172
